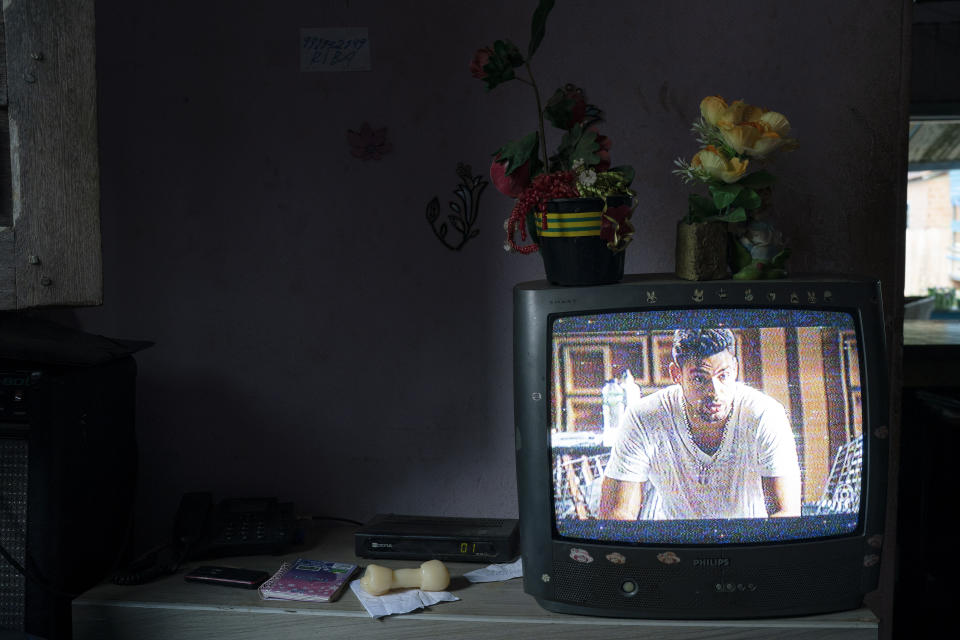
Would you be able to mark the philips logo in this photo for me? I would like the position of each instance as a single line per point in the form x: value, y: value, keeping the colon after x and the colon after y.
x: 711, y: 562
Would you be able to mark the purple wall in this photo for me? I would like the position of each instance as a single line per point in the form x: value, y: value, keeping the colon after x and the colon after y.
x: 313, y: 339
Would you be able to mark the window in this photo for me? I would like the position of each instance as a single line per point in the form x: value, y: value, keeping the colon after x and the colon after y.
x: 933, y: 178
x: 933, y: 208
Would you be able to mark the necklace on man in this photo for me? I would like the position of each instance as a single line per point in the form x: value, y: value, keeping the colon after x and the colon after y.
x: 703, y: 469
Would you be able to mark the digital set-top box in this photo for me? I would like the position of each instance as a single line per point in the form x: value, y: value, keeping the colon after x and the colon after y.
x: 405, y: 537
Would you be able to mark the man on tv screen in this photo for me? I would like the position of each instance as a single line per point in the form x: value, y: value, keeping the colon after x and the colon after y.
x: 706, y: 447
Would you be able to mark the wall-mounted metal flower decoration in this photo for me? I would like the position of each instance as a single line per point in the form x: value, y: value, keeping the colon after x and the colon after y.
x: 368, y: 143
x: 465, y: 212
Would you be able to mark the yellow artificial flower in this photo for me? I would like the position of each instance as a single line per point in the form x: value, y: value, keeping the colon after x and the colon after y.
x: 741, y: 137
x: 753, y: 113
x: 718, y: 113
x: 765, y: 145
x: 774, y: 129
x: 747, y: 129
x: 775, y: 122
x: 718, y: 165
x: 712, y: 108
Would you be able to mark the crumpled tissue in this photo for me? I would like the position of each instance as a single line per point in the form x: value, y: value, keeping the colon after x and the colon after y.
x: 401, y: 601
x: 497, y: 572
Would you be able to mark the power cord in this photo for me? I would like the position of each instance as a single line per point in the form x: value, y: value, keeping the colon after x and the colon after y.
x: 156, y: 562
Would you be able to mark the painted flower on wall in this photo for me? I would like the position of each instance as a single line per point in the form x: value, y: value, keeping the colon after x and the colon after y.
x: 368, y: 143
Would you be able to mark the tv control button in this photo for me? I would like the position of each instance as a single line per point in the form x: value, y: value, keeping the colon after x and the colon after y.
x: 629, y: 587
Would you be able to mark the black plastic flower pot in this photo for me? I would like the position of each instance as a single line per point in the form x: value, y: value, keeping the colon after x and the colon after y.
x: 573, y: 252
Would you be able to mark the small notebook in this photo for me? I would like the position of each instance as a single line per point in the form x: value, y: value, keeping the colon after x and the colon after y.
x: 308, y: 580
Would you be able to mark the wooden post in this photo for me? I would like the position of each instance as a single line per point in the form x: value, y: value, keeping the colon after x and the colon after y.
x: 52, y: 191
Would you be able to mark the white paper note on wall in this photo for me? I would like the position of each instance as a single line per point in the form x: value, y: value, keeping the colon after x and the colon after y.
x: 335, y: 49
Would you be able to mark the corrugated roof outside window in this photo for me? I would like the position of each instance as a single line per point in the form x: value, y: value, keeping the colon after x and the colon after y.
x: 934, y: 144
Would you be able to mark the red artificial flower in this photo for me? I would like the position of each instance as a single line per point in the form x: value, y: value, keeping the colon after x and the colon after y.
x: 509, y: 185
x: 546, y: 186
x: 603, y: 152
x: 480, y: 60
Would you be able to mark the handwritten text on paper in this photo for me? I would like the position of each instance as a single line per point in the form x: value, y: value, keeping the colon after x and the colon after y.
x: 340, y: 49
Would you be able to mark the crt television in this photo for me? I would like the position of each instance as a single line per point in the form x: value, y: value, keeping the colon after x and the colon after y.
x: 589, y: 359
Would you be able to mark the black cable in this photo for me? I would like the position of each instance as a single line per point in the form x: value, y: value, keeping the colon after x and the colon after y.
x: 33, y: 574
x: 13, y: 561
x: 150, y: 565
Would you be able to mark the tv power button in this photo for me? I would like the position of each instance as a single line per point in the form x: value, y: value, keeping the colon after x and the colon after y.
x: 629, y: 587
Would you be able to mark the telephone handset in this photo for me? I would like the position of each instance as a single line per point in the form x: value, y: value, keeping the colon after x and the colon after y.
x: 202, y: 529
x: 233, y: 527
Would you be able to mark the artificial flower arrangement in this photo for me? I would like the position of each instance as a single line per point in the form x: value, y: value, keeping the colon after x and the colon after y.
x: 738, y: 139
x: 580, y: 166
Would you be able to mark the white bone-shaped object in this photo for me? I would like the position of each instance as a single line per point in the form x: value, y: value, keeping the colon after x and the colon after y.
x: 432, y: 575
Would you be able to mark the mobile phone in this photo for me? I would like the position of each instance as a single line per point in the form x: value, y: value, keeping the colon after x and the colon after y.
x: 228, y: 576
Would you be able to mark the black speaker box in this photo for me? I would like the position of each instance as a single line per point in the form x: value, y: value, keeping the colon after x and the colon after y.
x: 68, y: 461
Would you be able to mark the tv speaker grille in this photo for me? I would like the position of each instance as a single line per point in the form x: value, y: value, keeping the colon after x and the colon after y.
x: 671, y: 588
x: 13, y: 531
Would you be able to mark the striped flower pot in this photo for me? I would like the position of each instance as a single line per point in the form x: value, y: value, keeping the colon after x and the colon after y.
x: 573, y: 251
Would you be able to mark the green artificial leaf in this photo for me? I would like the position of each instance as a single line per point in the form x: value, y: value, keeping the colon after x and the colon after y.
x: 577, y: 144
x: 758, y: 180
x: 515, y: 154
x: 724, y: 195
x: 737, y: 214
x: 559, y: 109
x: 739, y: 255
x: 626, y: 171
x: 510, y: 53
x: 779, y: 261
x: 700, y: 209
x: 748, y: 199
x: 703, y: 209
x: 538, y: 26
x: 749, y: 272
x: 499, y: 68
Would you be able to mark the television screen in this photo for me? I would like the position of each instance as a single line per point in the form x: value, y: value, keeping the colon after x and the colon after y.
x: 705, y: 426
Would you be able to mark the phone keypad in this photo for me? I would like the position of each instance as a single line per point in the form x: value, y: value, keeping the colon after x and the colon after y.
x: 244, y: 528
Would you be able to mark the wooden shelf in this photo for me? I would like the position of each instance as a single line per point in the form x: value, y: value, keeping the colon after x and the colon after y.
x: 173, y: 608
